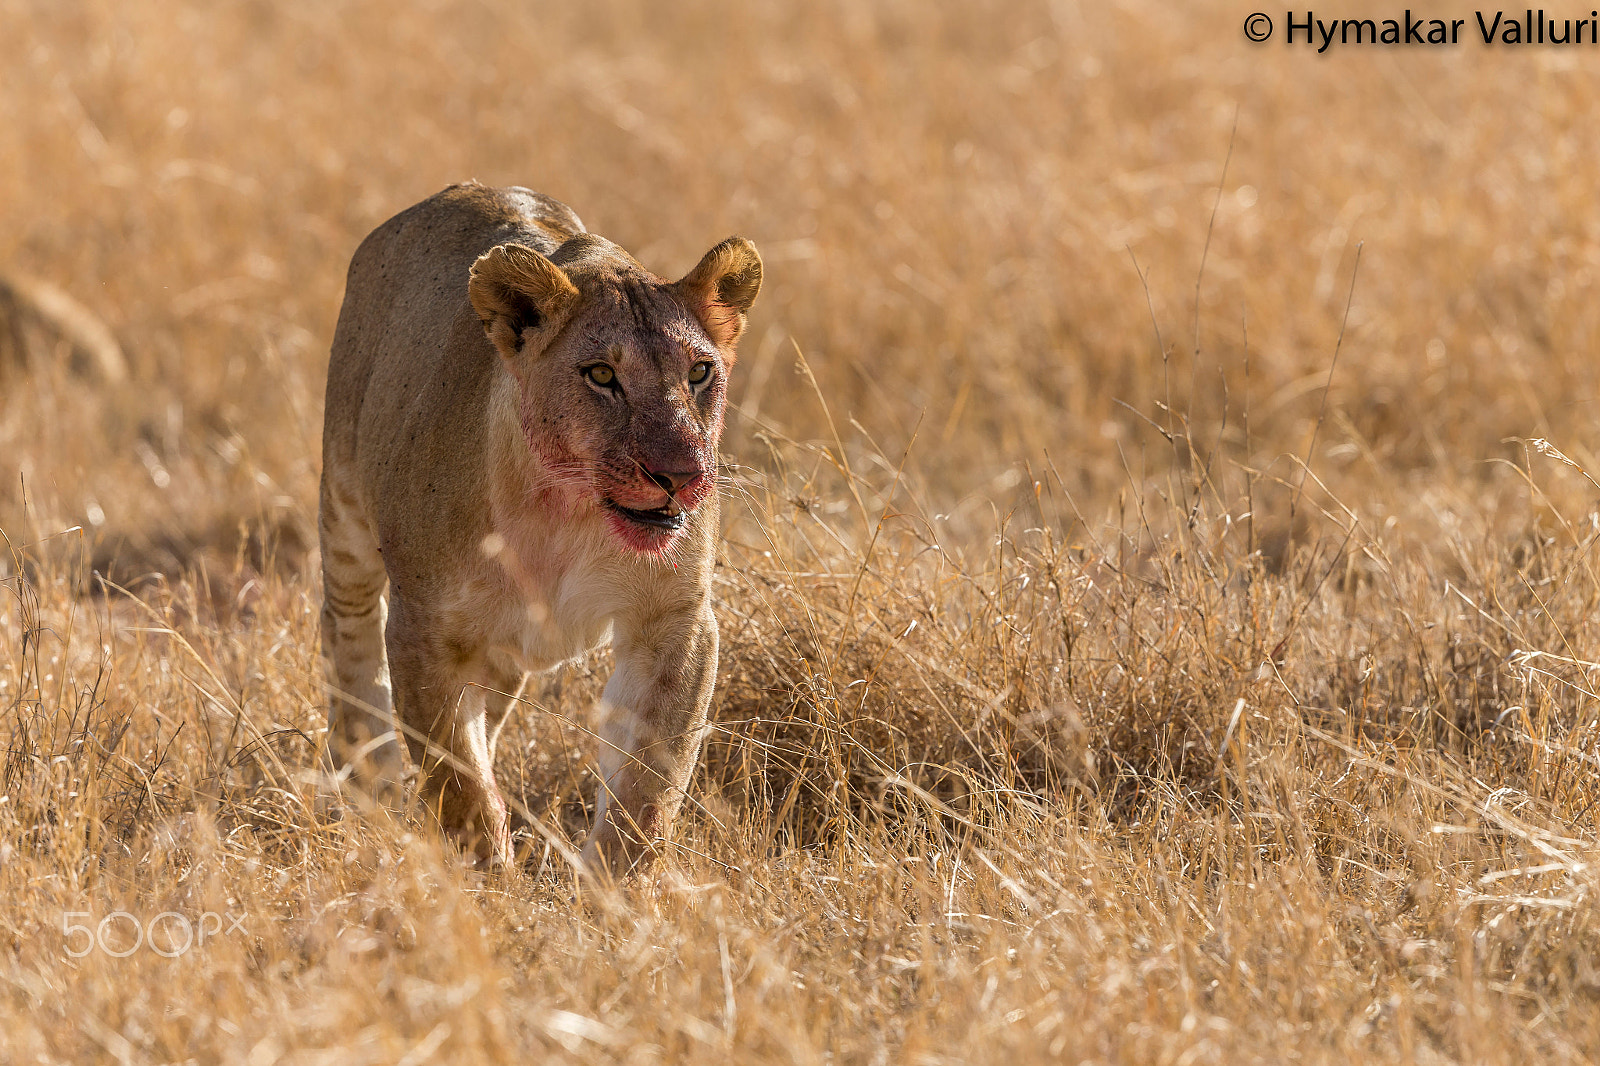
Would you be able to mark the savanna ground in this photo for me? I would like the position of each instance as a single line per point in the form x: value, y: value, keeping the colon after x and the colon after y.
x: 1117, y: 666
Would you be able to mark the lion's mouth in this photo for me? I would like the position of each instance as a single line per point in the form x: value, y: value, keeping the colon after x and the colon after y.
x: 669, y: 517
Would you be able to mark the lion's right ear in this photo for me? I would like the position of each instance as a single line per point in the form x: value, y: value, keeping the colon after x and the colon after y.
x: 520, y: 295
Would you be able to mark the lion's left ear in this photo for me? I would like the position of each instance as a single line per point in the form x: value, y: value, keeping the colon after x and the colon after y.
x: 721, y: 289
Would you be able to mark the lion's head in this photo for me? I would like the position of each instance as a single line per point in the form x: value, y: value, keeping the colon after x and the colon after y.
x: 623, y: 376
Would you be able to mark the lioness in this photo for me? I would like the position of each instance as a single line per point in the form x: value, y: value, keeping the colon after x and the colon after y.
x: 521, y: 443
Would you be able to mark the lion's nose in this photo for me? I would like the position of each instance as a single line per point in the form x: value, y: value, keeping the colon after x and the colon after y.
x: 674, y: 481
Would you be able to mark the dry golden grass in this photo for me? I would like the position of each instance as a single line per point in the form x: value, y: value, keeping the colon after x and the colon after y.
x: 1063, y: 714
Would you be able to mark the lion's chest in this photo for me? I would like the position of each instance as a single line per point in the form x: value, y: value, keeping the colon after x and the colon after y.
x: 540, y: 634
x: 536, y: 608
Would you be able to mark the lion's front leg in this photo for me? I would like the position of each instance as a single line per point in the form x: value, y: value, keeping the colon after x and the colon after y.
x: 654, y: 710
x: 444, y: 706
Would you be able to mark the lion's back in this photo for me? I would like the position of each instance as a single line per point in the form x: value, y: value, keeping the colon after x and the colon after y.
x: 405, y: 312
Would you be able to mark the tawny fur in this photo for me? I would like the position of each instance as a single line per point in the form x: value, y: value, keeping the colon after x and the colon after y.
x: 491, y: 504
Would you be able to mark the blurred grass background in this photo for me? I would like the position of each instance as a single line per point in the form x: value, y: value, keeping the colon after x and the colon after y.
x: 952, y: 201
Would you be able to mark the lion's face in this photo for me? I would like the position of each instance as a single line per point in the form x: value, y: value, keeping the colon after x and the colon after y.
x: 623, y: 378
x: 626, y: 407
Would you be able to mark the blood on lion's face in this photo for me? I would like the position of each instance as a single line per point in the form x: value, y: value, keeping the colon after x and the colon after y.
x: 623, y: 376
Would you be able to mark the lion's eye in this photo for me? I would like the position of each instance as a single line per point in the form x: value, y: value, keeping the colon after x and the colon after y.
x: 601, y: 375
x: 699, y: 373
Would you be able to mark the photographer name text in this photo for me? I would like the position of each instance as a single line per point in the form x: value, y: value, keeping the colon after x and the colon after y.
x: 1530, y: 26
